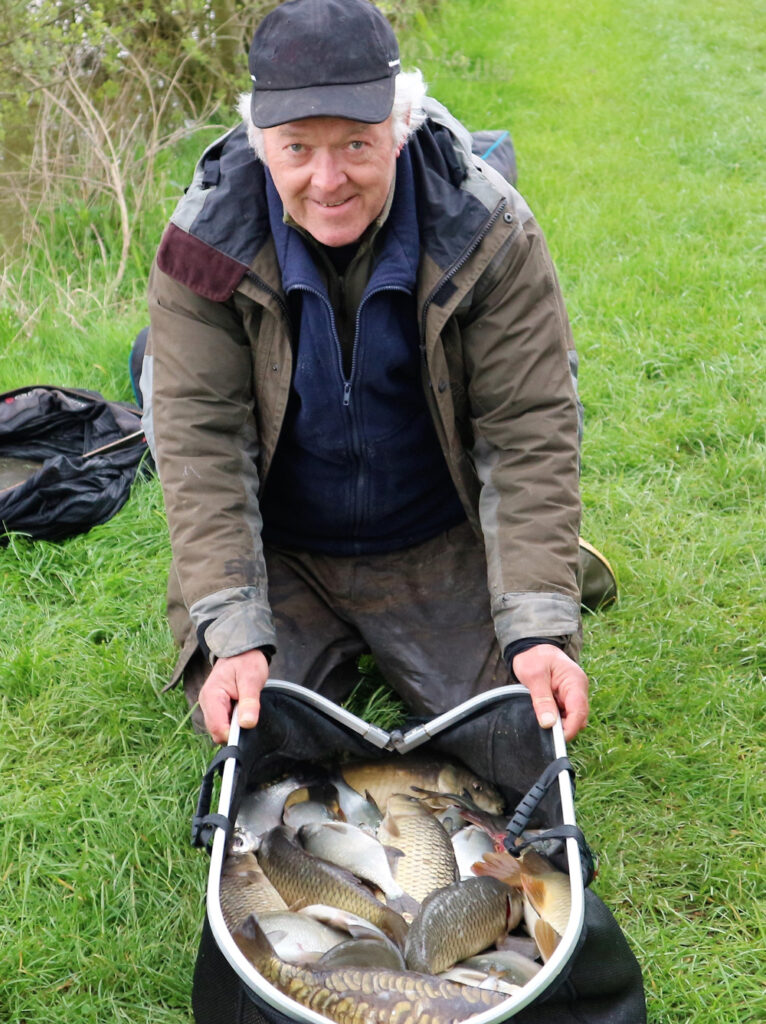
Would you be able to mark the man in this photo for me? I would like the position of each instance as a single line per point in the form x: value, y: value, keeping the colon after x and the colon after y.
x: 359, y: 392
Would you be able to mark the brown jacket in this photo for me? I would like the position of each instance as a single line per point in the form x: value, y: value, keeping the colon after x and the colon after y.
x: 498, y: 369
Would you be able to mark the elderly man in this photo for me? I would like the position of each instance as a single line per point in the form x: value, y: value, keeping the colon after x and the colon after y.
x: 359, y: 391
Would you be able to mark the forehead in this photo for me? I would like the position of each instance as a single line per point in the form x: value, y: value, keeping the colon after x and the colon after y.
x: 329, y: 127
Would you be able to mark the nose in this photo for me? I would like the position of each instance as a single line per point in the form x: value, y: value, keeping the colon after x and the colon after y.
x: 327, y: 174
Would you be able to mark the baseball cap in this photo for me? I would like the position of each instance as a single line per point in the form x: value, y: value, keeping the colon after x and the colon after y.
x: 315, y: 58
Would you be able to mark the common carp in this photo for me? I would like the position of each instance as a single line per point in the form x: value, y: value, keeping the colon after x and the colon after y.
x: 546, y: 888
x: 428, y: 860
x: 245, y: 889
x: 301, y: 878
x: 353, y: 995
x: 459, y: 921
x: 396, y: 775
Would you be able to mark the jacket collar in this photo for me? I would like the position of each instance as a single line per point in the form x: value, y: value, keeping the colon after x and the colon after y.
x: 397, y: 266
x: 221, y: 224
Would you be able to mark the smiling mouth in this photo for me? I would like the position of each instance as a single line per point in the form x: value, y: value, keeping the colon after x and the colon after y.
x: 330, y: 206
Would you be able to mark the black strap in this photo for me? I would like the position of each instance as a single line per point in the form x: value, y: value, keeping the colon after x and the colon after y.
x: 204, y: 823
x: 587, y: 860
x: 528, y: 804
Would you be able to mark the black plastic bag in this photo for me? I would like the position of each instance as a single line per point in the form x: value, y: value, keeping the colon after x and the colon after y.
x: 68, y: 459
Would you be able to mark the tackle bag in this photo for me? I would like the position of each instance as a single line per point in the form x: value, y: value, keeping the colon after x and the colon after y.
x: 496, y: 147
x: 68, y: 459
x: 592, y: 976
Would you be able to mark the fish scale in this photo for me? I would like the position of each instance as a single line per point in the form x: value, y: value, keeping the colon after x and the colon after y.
x: 356, y: 996
x: 428, y: 860
x: 300, y: 877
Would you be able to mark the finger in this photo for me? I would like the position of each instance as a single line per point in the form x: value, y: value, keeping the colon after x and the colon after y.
x: 575, y: 714
x: 216, y: 709
x: 543, y: 702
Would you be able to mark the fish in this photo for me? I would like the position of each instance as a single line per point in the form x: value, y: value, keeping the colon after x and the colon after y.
x: 360, y: 853
x: 353, y: 995
x: 495, y: 825
x: 428, y: 860
x: 261, y: 809
x: 470, y: 844
x: 298, y: 938
x: 307, y: 812
x: 364, y: 953
x: 459, y: 921
x: 397, y: 774
x: 357, y: 927
x: 243, y: 840
x: 245, y: 889
x: 357, y: 808
x: 545, y: 887
x: 301, y: 878
x: 480, y: 979
x: 517, y: 943
x: 546, y: 937
x: 512, y: 967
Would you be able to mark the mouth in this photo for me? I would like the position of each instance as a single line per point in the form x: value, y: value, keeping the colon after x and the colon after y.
x: 332, y: 205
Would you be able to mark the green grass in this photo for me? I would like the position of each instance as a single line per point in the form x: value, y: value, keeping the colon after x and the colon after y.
x: 640, y: 139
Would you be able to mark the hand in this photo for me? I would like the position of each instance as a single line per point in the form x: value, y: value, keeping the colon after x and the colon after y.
x: 554, y: 680
x: 239, y: 678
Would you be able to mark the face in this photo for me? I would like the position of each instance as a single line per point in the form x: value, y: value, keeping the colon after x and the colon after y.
x: 332, y: 175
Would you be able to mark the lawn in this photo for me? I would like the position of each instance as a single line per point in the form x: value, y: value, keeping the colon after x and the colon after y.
x: 640, y: 134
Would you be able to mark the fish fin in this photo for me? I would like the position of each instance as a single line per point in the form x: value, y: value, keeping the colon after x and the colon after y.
x: 393, y: 853
x: 533, y: 863
x: 500, y: 865
x: 535, y: 890
x: 252, y: 941
x: 404, y: 904
x: 395, y: 927
x: 547, y: 938
x: 515, y: 910
x: 371, y: 800
x: 392, y: 828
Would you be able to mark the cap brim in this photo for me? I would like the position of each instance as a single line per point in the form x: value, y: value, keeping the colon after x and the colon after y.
x: 369, y: 102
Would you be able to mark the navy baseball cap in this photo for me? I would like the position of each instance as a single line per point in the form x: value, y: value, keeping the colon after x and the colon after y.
x: 323, y: 58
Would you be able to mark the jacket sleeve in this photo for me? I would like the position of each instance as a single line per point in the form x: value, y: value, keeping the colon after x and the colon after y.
x: 525, y: 423
x: 200, y: 417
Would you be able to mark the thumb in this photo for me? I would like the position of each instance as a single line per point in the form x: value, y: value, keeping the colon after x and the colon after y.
x: 532, y: 668
x: 545, y: 710
x: 249, y: 703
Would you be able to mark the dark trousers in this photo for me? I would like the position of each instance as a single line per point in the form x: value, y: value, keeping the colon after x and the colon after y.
x: 423, y: 613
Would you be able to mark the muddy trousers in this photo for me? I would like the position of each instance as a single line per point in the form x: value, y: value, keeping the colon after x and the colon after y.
x: 423, y: 613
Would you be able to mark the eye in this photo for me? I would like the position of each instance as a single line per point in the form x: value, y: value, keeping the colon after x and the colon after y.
x: 295, y: 147
x: 356, y: 145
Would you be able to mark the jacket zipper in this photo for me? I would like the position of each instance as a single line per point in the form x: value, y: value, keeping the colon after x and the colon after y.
x: 356, y: 443
x: 270, y: 291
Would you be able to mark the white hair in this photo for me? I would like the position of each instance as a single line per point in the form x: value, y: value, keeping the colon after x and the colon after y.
x: 407, y: 113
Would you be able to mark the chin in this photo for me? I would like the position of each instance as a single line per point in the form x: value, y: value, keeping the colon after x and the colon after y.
x: 335, y: 237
